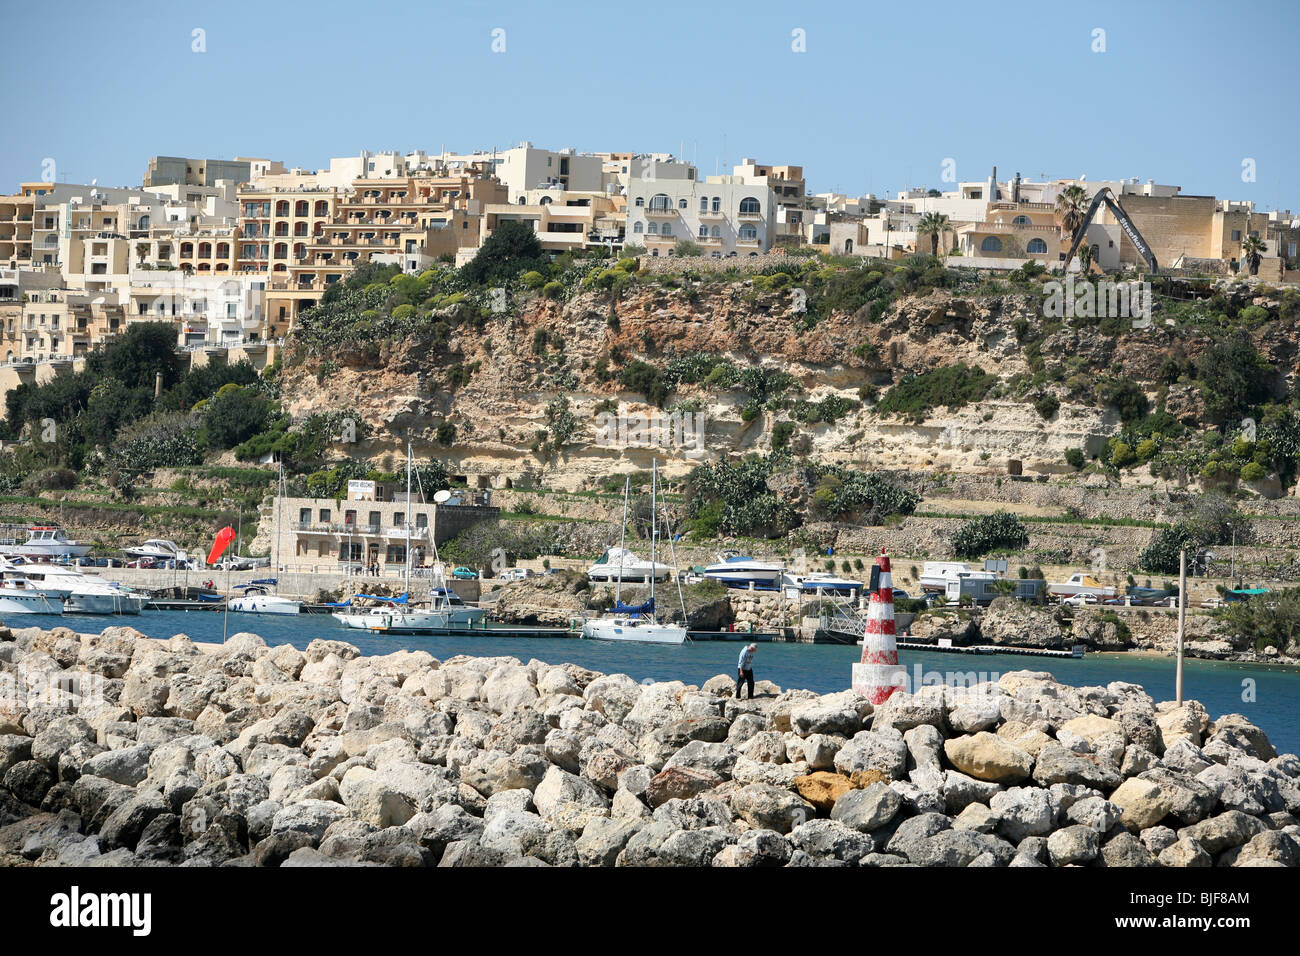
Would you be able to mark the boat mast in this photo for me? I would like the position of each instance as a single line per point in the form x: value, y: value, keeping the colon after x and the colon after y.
x: 622, y: 541
x: 407, y: 520
x: 279, y: 489
x: 654, y: 533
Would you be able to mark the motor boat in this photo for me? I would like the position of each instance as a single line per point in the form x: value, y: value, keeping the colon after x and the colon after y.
x: 20, y: 596
x: 638, y: 623
x: 257, y: 597
x: 81, y: 593
x: 737, y: 570
x: 619, y: 564
x: 394, y: 615
x: 45, y: 542
x: 1081, y: 585
x: 818, y: 582
x: 156, y: 549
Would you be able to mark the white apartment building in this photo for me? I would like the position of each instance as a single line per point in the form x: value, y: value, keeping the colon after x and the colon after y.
x: 525, y: 167
x: 725, y: 215
x: 210, y: 310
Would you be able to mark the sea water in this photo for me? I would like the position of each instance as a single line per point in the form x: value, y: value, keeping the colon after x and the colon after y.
x: 1267, y: 695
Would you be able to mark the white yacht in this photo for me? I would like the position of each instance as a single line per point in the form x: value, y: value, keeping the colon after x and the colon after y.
x: 638, y: 623
x: 818, y: 582
x: 1081, y: 585
x: 81, y: 593
x: 259, y: 598
x: 620, y: 564
x: 20, y: 596
x: 45, y: 542
x: 737, y: 570
x: 156, y: 549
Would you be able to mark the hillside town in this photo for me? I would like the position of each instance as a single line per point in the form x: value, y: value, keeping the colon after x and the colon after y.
x: 232, y: 251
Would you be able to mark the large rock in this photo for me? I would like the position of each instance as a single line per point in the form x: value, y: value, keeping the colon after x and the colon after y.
x: 1024, y: 812
x: 559, y: 787
x: 1056, y: 764
x: 1073, y: 845
x: 679, y: 783
x: 873, y: 755
x: 822, y: 789
x: 986, y: 756
x: 869, y: 809
x: 771, y: 808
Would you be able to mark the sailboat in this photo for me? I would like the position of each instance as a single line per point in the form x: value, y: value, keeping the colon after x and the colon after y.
x: 259, y: 596
x: 446, y: 611
x: 638, y: 623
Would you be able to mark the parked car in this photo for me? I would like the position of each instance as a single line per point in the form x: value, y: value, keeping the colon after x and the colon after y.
x: 1079, y: 600
x: 465, y: 574
x: 514, y: 574
x: 142, y: 563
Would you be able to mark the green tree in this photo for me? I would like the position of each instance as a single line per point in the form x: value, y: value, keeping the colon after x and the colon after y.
x: 1252, y: 249
x: 934, y: 225
x: 234, y: 415
x: 511, y: 249
x: 1071, y: 207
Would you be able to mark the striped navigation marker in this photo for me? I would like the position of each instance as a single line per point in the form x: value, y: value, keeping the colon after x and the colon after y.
x: 879, y: 674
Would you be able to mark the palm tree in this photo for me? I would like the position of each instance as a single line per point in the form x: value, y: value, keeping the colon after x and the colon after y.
x: 933, y: 224
x: 1251, y: 248
x: 1085, y: 257
x: 1071, y: 206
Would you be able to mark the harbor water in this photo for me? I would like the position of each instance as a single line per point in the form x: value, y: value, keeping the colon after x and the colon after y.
x: 1267, y: 695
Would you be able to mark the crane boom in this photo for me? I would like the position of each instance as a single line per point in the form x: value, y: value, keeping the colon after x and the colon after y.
x: 1130, y: 229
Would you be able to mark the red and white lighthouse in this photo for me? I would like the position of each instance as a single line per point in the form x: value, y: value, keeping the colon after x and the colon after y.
x: 878, y: 674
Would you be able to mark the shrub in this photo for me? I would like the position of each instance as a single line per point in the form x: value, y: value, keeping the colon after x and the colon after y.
x: 953, y: 386
x: 1074, y: 457
x: 781, y: 434
x: 553, y: 290
x: 1253, y: 471
x: 1048, y: 405
x: 994, y: 532
x: 446, y: 433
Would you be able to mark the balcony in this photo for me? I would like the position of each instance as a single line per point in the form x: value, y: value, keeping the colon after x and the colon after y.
x: 750, y: 216
x: 713, y: 214
x: 660, y: 212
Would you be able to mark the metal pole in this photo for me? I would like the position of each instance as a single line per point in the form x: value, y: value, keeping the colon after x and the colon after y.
x: 1182, y: 624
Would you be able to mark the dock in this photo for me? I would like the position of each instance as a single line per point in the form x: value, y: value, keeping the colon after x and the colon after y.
x: 1076, y: 651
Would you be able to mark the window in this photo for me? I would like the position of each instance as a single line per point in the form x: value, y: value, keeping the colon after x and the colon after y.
x: 704, y: 204
x: 749, y: 205
x: 704, y: 232
x: 681, y: 204
x: 304, y: 516
x: 640, y: 201
x: 1022, y: 221
x: 716, y: 233
x: 991, y: 244
x: 324, y: 515
x: 1236, y: 235
x: 373, y: 521
x: 667, y: 229
x: 638, y: 228
x: 748, y: 233
x: 717, y: 203
x: 661, y: 202
x: 1037, y: 246
x: 654, y: 229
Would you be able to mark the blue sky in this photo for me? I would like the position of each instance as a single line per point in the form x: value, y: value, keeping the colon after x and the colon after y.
x: 882, y: 95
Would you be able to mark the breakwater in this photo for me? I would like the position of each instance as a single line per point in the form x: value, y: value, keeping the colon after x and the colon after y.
x: 117, y: 749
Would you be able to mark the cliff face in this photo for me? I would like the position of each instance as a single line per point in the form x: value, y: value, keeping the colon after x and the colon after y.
x: 525, y: 364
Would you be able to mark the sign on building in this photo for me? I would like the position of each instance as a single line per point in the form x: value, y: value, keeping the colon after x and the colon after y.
x: 361, y: 490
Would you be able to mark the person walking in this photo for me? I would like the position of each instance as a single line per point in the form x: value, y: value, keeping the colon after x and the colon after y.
x: 745, y: 669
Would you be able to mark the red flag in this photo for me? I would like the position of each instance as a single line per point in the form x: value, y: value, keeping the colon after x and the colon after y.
x: 220, y: 543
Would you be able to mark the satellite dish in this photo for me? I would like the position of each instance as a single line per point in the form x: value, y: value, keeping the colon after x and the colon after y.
x: 440, y: 496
